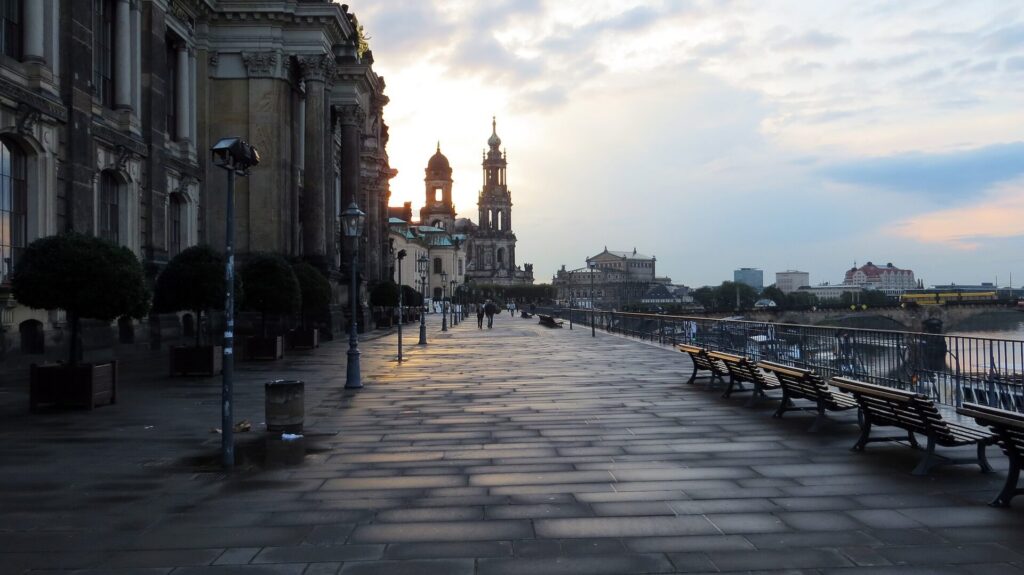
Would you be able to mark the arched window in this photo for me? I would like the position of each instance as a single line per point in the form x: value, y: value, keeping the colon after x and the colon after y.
x: 110, y: 208
x: 501, y: 256
x: 11, y: 24
x: 438, y: 266
x: 103, y: 50
x: 13, y: 207
x: 175, y: 231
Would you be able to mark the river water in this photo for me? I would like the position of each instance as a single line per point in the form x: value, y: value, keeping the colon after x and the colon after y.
x: 1002, y: 326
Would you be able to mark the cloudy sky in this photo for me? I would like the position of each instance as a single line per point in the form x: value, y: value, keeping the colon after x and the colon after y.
x: 722, y: 134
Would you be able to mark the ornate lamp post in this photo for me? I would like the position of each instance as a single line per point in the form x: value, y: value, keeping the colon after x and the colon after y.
x: 444, y: 304
x: 401, y: 302
x: 593, y: 270
x: 352, y: 227
x: 451, y: 297
x: 235, y: 156
x: 421, y: 266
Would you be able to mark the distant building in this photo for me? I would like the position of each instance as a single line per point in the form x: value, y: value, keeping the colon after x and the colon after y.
x: 791, y: 280
x: 619, y: 279
x: 753, y: 277
x: 828, y: 292
x: 890, y: 280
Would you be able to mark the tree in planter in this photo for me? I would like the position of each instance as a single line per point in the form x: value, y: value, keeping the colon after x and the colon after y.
x: 411, y: 298
x: 85, y: 276
x: 194, y: 281
x: 315, y: 290
x: 385, y: 294
x: 270, y: 287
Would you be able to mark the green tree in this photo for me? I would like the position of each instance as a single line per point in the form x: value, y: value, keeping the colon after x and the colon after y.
x: 705, y: 296
x: 193, y: 280
x: 726, y: 296
x: 270, y: 287
x: 314, y: 288
x: 85, y: 276
x: 775, y: 294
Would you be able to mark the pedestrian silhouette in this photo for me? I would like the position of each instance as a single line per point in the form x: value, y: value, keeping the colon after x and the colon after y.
x: 479, y: 316
x: 490, y: 309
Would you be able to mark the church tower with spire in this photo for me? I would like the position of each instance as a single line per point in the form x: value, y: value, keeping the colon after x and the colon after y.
x: 492, y: 250
x: 438, y: 210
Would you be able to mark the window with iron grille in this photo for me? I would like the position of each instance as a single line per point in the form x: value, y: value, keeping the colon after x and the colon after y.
x: 13, y: 207
x: 171, y: 90
x: 110, y: 209
x: 11, y: 25
x: 176, y: 207
x: 103, y: 51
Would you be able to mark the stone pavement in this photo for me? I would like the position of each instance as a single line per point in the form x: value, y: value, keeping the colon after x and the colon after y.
x: 514, y: 450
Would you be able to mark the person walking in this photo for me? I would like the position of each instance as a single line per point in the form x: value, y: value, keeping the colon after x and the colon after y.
x: 490, y: 309
x: 479, y: 316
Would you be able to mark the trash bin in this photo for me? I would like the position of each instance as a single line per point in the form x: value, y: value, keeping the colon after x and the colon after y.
x: 285, y: 405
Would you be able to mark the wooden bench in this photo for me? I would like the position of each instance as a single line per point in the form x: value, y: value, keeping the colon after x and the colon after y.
x: 548, y: 321
x: 1009, y: 427
x: 914, y: 413
x: 797, y: 383
x: 704, y: 362
x: 743, y: 370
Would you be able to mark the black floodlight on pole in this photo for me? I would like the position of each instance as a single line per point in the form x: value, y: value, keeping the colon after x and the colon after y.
x: 451, y: 299
x: 444, y: 304
x: 401, y: 302
x: 235, y: 156
x: 352, y: 220
x: 421, y: 266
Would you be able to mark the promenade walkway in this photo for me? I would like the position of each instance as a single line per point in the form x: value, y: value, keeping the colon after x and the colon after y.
x: 517, y: 450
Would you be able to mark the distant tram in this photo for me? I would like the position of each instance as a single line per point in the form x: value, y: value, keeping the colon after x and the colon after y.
x: 937, y: 297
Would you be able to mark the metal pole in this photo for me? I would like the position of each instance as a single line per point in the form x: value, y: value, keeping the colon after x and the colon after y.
x: 444, y: 306
x: 423, y: 311
x: 227, y: 437
x: 593, y: 329
x: 353, y: 379
x: 401, y: 311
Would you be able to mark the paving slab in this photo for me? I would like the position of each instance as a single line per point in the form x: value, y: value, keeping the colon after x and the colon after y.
x: 505, y: 451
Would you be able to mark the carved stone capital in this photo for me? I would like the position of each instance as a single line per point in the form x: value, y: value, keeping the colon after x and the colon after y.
x: 316, y: 68
x: 213, y: 58
x: 351, y: 115
x: 261, y: 64
x: 26, y: 118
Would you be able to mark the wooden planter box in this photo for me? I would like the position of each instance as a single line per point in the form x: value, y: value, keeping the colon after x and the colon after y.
x: 191, y: 360
x: 84, y: 385
x: 268, y: 348
x: 305, y: 338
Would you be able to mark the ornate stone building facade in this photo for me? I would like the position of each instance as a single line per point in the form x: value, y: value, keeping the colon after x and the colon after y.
x: 108, y: 109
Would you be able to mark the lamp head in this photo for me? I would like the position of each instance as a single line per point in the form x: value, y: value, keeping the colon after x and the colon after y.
x: 352, y: 220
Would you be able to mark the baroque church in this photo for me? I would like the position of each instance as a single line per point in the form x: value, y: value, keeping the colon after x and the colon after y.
x: 481, y: 253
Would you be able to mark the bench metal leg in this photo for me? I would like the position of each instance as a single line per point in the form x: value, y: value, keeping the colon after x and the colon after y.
x: 820, y: 420
x: 782, y: 406
x: 913, y: 440
x: 734, y: 385
x: 693, y: 376
x: 983, y: 459
x: 1010, y: 488
x: 756, y: 395
x: 928, y: 461
x: 865, y: 434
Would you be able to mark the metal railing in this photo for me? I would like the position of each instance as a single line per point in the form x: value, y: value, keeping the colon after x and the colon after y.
x: 950, y: 369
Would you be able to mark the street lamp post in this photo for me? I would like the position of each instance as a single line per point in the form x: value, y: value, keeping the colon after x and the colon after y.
x: 451, y: 298
x: 593, y: 270
x: 444, y: 304
x: 235, y: 156
x: 401, y: 302
x: 421, y: 266
x: 352, y: 226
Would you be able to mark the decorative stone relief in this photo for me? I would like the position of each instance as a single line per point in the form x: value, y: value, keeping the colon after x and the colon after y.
x: 213, y: 59
x: 261, y: 64
x: 26, y: 119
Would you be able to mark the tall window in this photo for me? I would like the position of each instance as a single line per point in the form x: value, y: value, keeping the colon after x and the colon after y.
x: 171, y: 90
x: 103, y: 51
x: 110, y: 209
x: 11, y: 24
x: 175, y: 209
x: 438, y: 266
x: 13, y: 207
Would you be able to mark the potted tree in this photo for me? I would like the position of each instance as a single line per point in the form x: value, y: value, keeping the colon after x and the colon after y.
x: 193, y: 280
x: 316, y: 297
x: 385, y: 294
x: 271, y: 289
x: 87, y: 277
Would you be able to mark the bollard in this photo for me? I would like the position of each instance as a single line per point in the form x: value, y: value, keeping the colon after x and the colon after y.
x: 285, y: 405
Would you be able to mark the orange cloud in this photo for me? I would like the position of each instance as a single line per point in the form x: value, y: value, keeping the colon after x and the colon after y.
x: 999, y: 214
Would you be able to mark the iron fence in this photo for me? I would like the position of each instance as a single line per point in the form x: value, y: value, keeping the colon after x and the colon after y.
x: 950, y: 369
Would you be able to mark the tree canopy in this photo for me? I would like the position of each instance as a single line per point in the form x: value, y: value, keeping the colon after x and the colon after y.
x: 270, y: 285
x: 384, y: 294
x: 83, y: 275
x: 314, y: 287
x: 193, y: 280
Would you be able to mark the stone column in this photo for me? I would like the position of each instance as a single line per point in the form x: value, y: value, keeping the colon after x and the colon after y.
x: 33, y: 45
x: 314, y: 241
x: 136, y: 16
x: 182, y: 97
x: 122, y: 55
x: 351, y: 117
